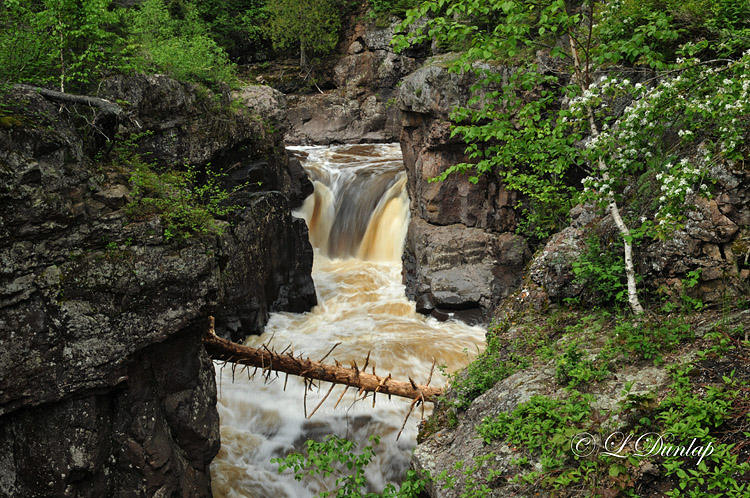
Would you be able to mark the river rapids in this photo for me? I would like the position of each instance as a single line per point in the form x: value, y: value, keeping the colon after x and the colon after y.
x: 357, y: 218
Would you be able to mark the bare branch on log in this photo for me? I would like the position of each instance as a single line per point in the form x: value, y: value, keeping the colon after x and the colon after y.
x: 224, y: 350
x: 322, y: 401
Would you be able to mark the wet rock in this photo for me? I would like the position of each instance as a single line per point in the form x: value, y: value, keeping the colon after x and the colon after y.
x: 335, y: 118
x: 105, y: 388
x: 360, y: 109
x: 458, y: 268
x: 426, y: 99
x: 425, y: 304
x: 460, y: 248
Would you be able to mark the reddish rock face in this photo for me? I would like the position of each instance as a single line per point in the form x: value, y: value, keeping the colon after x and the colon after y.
x: 462, y: 255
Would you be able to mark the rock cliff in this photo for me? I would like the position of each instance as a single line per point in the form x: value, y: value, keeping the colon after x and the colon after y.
x: 105, y: 389
x: 360, y: 109
x: 462, y: 254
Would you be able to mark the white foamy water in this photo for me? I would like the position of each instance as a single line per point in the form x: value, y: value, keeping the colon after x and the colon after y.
x: 357, y: 218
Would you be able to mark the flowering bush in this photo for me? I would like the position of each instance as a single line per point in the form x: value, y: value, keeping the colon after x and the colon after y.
x: 563, y: 110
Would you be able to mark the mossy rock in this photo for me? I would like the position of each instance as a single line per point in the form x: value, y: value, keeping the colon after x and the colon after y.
x: 10, y: 122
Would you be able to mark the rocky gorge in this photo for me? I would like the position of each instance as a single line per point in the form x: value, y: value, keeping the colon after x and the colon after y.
x: 106, y: 389
x: 465, y: 259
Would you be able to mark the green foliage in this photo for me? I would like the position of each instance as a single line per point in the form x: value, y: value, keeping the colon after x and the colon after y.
x: 180, y: 47
x: 490, y: 366
x: 539, y: 220
x: 391, y: 7
x: 237, y: 26
x: 544, y: 427
x: 187, y: 201
x: 533, y: 125
x: 311, y: 25
x: 573, y: 369
x: 71, y: 43
x: 477, y: 478
x: 602, y: 272
x: 649, y: 338
x: 335, y: 456
x: 186, y: 206
x: 688, y: 415
x: 653, y: 32
x: 509, y: 125
x: 687, y: 302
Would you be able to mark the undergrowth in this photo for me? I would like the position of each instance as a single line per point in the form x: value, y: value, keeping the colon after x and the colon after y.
x: 190, y: 201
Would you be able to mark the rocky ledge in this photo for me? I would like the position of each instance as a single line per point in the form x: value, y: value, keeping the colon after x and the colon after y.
x: 105, y: 388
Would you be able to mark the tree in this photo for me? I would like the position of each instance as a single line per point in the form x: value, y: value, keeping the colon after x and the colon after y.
x: 180, y: 47
x: 311, y: 24
x: 561, y: 92
x: 69, y: 38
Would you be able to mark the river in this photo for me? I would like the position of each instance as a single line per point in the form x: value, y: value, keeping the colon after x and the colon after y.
x: 357, y: 216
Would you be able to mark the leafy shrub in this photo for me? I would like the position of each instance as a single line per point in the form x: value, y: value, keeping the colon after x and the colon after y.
x: 688, y: 414
x: 489, y: 367
x: 180, y: 47
x: 573, y: 369
x: 648, y: 339
x: 186, y: 206
x: 543, y: 426
x: 603, y: 273
x: 335, y: 456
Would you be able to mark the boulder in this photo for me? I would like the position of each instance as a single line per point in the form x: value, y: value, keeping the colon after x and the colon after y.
x: 454, y: 268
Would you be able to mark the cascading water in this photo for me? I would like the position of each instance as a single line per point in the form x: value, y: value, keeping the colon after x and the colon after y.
x: 357, y: 218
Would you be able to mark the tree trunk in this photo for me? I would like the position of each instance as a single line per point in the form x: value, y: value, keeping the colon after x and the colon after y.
x: 103, y: 105
x: 222, y: 349
x: 612, y: 207
x: 302, y: 57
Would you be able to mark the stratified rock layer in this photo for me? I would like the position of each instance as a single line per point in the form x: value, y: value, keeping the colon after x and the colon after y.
x: 105, y: 389
x: 462, y: 255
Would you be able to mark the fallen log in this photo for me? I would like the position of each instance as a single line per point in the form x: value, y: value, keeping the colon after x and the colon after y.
x: 267, y: 360
x: 103, y: 105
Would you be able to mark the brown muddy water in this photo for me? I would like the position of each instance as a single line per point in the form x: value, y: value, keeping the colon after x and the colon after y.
x: 357, y: 216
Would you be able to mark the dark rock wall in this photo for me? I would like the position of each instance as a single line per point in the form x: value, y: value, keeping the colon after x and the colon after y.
x: 462, y: 255
x: 105, y: 389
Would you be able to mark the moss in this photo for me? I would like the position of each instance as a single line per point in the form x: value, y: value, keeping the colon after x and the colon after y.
x: 10, y: 122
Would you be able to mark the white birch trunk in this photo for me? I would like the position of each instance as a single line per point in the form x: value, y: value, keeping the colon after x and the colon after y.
x: 612, y: 207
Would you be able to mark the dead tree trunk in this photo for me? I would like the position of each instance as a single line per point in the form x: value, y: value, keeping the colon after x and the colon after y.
x: 103, y: 105
x: 267, y: 360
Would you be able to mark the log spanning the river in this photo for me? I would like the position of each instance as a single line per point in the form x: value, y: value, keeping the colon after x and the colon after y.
x: 268, y: 360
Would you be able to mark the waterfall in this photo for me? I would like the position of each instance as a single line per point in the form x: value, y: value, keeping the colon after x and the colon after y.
x: 359, y: 208
x: 357, y: 218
